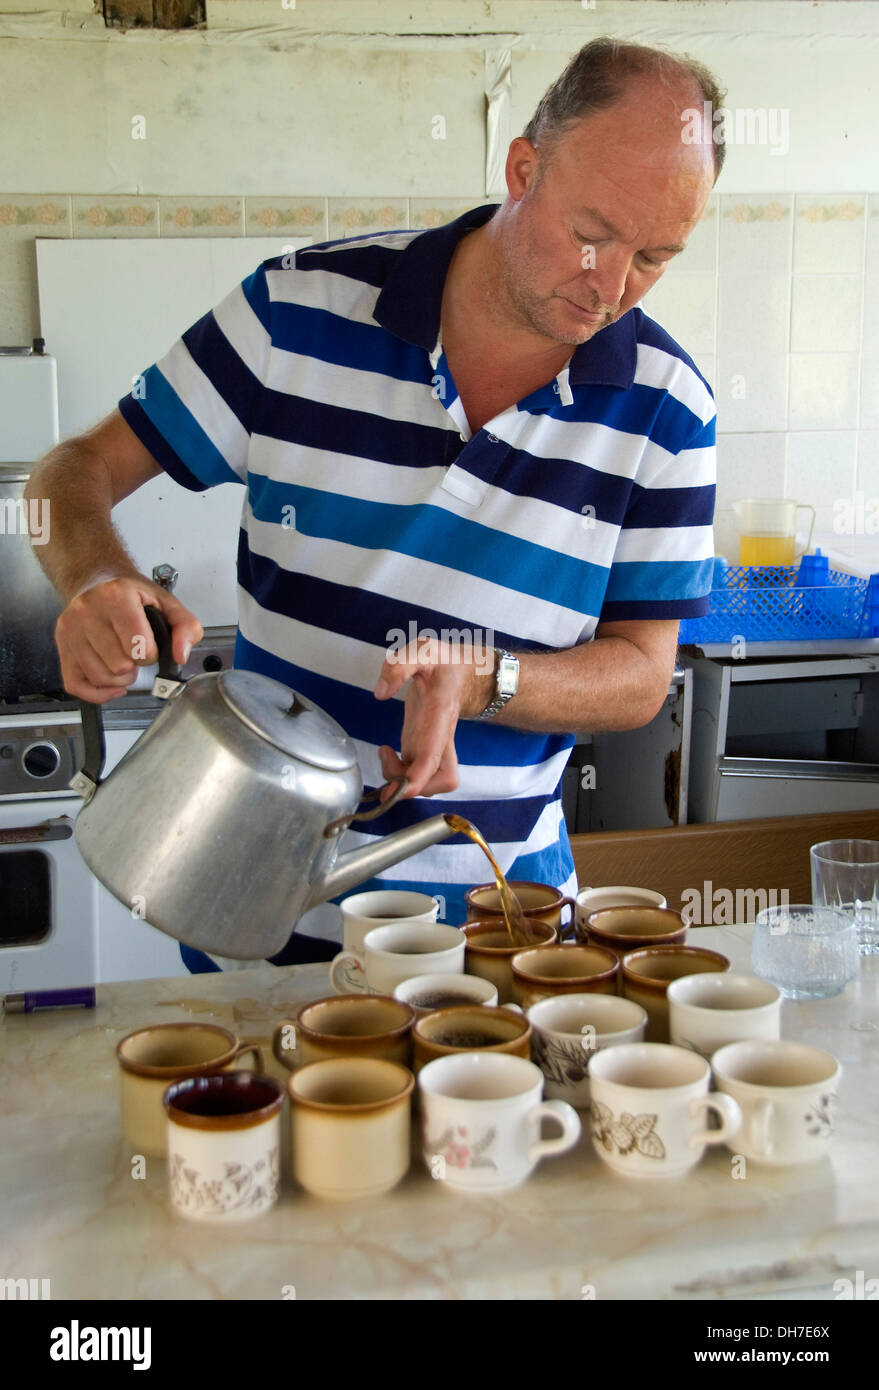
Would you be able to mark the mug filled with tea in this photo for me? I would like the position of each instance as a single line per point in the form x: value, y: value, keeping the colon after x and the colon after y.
x: 469, y: 1028
x: 426, y: 993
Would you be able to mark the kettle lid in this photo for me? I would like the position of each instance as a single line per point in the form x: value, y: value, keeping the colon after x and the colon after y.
x: 288, y: 720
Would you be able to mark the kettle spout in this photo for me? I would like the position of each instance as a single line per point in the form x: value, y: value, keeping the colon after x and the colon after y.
x: 360, y: 864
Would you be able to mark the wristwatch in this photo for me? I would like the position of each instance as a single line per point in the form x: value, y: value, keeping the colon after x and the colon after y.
x: 506, y: 683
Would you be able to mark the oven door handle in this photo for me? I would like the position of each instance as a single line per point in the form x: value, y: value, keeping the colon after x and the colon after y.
x: 58, y: 829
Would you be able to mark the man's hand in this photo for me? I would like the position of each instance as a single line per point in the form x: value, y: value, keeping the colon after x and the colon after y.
x: 618, y: 681
x: 103, y: 636
x: 445, y: 685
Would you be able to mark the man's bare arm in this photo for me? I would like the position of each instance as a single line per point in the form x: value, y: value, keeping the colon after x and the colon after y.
x: 83, y: 479
x: 618, y: 681
x: 103, y: 634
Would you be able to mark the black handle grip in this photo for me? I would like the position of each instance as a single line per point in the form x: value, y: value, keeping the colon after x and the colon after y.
x: 93, y: 737
x: 168, y: 668
x: 91, y: 716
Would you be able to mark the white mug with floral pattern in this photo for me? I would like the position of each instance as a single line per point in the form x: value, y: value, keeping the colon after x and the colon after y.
x: 224, y: 1145
x: 787, y: 1094
x: 650, y: 1105
x: 569, y: 1028
x: 481, y: 1116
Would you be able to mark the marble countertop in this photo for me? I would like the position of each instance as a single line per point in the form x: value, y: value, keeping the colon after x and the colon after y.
x: 71, y: 1212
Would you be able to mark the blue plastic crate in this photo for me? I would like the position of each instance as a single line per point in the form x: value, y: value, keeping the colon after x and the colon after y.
x: 762, y: 604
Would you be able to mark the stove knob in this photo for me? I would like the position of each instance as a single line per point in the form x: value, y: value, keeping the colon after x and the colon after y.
x: 41, y: 760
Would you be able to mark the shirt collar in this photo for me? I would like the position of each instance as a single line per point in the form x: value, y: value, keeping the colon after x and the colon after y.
x: 410, y: 303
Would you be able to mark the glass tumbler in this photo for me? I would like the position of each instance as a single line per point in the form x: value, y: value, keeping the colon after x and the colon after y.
x: 845, y: 875
x: 808, y: 952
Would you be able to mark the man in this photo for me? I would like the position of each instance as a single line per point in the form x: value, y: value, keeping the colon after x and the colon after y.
x: 480, y: 482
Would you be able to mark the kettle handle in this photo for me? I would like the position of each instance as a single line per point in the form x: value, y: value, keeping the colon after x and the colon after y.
x: 88, y: 779
x: 336, y: 827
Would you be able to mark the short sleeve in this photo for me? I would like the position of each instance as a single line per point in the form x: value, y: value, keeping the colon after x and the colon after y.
x: 664, y: 558
x: 195, y: 408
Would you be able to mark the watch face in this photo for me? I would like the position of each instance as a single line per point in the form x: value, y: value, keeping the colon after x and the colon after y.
x: 508, y: 676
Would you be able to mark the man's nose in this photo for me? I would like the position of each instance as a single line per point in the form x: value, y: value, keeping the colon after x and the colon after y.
x: 607, y: 278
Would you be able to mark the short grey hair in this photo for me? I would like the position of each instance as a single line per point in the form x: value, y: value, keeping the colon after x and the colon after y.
x: 597, y: 77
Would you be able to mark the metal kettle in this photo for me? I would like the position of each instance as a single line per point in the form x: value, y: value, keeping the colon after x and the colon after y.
x: 221, y: 825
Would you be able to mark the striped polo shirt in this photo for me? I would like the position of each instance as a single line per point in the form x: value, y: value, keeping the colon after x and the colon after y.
x: 372, y: 513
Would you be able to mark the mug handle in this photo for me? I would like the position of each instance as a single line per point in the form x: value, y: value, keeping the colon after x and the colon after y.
x: 347, y: 973
x: 570, y: 926
x: 287, y: 1056
x: 567, y: 1118
x: 258, y: 1064
x: 726, y: 1110
x: 761, y: 1118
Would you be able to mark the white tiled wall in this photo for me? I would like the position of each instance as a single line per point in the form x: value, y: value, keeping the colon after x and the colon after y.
x: 779, y: 307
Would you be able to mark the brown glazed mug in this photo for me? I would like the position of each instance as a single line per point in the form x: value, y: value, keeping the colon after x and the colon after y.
x: 540, y: 902
x: 647, y: 974
x: 558, y: 969
x: 350, y: 1126
x: 150, y: 1059
x: 346, y: 1025
x: 470, y: 1028
x: 489, y: 952
x: 625, y: 929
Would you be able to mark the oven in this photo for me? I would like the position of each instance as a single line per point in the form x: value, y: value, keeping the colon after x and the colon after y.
x: 48, y: 899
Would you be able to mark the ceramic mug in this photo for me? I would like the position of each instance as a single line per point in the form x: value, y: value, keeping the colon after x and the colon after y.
x: 569, y: 1028
x: 481, y: 1121
x: 590, y: 900
x: 539, y: 902
x: 393, y: 954
x: 468, y: 1028
x: 381, y: 907
x: 425, y: 993
x: 489, y: 952
x: 350, y: 1126
x: 706, y: 1012
x: 624, y: 929
x: 646, y: 975
x: 150, y: 1059
x: 347, y: 1025
x: 224, y: 1145
x: 787, y: 1094
x: 650, y: 1104
x: 562, y: 969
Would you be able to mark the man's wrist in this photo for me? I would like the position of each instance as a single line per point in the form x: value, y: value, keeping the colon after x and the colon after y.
x: 493, y: 689
x: 483, y: 686
x: 103, y: 577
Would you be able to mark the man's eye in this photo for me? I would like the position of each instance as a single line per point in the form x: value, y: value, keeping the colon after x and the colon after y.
x: 654, y: 265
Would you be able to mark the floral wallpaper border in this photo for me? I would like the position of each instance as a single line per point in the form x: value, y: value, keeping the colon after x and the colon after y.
x: 103, y: 214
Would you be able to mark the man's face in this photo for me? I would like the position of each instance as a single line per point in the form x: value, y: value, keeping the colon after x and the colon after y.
x: 621, y: 194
